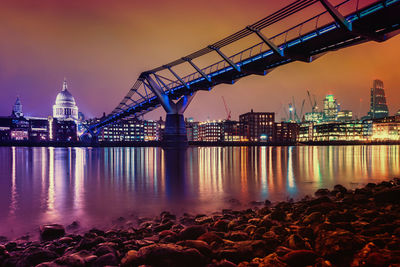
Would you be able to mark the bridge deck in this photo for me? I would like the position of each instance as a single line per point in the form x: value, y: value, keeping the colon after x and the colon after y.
x: 373, y: 21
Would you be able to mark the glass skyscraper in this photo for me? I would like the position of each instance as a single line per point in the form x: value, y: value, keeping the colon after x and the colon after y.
x: 378, y: 108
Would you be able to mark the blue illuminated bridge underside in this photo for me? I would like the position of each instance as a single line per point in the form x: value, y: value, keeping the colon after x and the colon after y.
x: 378, y: 22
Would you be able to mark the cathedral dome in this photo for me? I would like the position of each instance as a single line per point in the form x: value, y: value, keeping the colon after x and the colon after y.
x: 65, y: 98
x: 65, y: 107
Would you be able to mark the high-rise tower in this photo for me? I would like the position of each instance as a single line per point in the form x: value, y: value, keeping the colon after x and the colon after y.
x: 378, y: 108
x: 331, y: 108
x: 17, y: 109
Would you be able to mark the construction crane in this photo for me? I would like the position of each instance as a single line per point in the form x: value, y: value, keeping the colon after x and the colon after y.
x: 301, y: 110
x: 313, y: 105
x: 228, y: 111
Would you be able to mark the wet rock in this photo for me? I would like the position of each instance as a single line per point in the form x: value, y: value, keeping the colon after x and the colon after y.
x: 88, y: 243
x: 340, y: 188
x: 102, y: 250
x: 108, y: 259
x: 10, y: 246
x: 238, y: 236
x: 192, y: 232
x: 270, y: 260
x: 296, y: 242
x: 244, y: 251
x: 203, y: 220
x: 210, y: 237
x: 221, y: 263
x: 315, y: 217
x: 78, y: 259
x: 263, y: 211
x: 168, y: 255
x: 299, y: 258
x: 34, y: 255
x: 221, y: 225
x: 164, y: 226
x: 388, y: 195
x: 130, y: 259
x: 336, y: 216
x: 73, y: 226
x: 322, y: 192
x: 200, y: 245
x: 338, y: 246
x: 278, y: 215
x: 51, y: 231
x: 66, y: 240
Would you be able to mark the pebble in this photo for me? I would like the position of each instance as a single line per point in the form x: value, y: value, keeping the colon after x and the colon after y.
x: 338, y: 227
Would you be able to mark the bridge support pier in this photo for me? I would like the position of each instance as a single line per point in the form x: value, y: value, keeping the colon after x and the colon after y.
x: 175, y: 135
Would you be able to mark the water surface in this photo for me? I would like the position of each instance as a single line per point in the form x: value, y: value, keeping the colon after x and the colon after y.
x: 97, y: 185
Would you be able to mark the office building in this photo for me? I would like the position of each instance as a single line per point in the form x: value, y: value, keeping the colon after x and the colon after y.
x: 331, y: 108
x: 378, y: 106
x: 257, y: 126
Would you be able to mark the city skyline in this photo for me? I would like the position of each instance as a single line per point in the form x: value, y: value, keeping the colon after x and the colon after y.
x: 37, y: 57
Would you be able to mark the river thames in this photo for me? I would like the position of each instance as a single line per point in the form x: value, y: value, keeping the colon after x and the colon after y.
x: 94, y: 186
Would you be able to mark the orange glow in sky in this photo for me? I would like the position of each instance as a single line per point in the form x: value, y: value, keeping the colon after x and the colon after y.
x: 102, y: 47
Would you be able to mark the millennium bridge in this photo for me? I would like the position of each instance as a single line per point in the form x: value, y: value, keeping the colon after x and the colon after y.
x: 335, y: 26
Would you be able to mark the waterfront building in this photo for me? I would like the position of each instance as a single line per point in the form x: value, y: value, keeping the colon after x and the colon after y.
x: 65, y: 107
x: 386, y: 131
x: 334, y: 131
x: 131, y: 131
x: 331, y: 108
x: 345, y: 115
x: 231, y: 131
x: 378, y: 106
x: 257, y: 126
x: 62, y: 130
x: 286, y: 132
x: 5, y: 128
x: 192, y: 129
x: 38, y: 129
x: 314, y: 116
x: 19, y: 129
x: 151, y: 130
x: 210, y: 131
x: 17, y: 109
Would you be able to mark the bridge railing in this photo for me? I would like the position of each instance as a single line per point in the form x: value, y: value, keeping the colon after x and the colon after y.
x: 301, y: 32
x: 296, y: 34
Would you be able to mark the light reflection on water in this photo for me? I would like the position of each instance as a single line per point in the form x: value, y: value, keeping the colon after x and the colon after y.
x: 96, y: 185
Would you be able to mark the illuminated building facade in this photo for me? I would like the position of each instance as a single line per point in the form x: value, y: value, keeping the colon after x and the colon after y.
x: 192, y: 129
x: 151, y: 130
x: 331, y: 108
x: 286, y: 132
x: 345, y: 115
x: 334, y: 131
x: 123, y: 131
x: 231, y: 131
x: 65, y: 107
x: 210, y: 131
x: 314, y: 116
x: 378, y: 106
x: 386, y: 131
x: 38, y: 129
x: 257, y: 126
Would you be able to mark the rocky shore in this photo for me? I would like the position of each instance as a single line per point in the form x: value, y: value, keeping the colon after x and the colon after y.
x: 337, y: 227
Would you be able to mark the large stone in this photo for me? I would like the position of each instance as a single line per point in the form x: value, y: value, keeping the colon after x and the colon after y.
x: 51, y: 231
x: 78, y: 259
x: 168, y: 255
x: 34, y: 255
x: 299, y: 258
x: 388, y: 195
x: 192, y: 232
x: 338, y: 246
